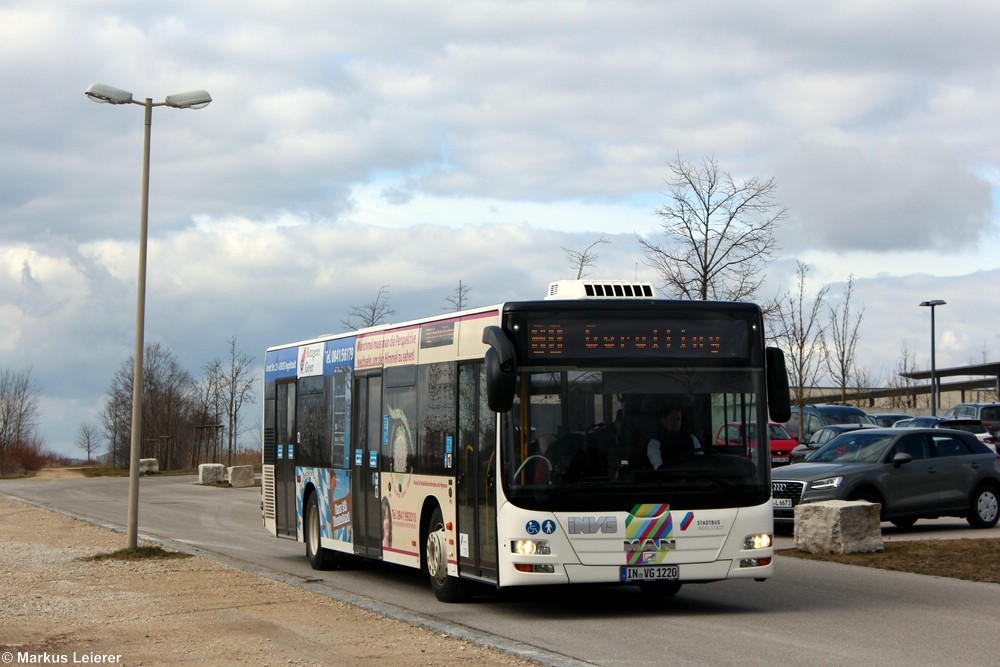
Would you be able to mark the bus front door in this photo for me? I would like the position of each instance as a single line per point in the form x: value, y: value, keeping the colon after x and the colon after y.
x: 476, y: 484
x: 366, y: 423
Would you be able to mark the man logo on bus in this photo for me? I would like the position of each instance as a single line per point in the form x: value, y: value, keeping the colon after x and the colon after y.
x: 647, y: 546
x: 648, y: 530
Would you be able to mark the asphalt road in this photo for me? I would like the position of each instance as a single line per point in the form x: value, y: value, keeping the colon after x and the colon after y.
x: 810, y: 613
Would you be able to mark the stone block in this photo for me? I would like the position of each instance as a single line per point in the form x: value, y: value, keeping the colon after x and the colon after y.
x: 838, y: 527
x: 148, y: 466
x: 211, y: 473
x: 240, y: 476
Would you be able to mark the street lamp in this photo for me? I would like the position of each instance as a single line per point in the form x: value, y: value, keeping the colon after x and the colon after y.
x: 934, y: 388
x: 195, y: 99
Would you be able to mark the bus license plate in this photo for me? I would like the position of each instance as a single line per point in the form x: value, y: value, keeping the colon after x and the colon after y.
x: 650, y: 573
x: 783, y: 502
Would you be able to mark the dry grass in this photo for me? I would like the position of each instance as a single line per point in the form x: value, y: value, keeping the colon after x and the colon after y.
x: 972, y: 560
x: 139, y: 553
x: 104, y: 471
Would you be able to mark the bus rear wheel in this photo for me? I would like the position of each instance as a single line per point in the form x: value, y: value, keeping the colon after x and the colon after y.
x: 319, y: 557
x: 446, y: 588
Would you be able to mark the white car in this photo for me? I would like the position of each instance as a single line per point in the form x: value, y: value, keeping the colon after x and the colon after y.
x: 973, y: 426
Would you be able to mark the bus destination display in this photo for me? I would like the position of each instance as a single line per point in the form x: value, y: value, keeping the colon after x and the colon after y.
x: 637, y: 339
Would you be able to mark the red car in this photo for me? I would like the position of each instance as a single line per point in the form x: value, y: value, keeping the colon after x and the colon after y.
x: 734, y: 437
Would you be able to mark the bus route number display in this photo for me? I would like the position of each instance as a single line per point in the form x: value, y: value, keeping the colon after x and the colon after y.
x: 634, y: 339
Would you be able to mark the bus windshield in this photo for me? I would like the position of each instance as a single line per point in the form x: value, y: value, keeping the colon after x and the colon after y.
x: 607, y: 439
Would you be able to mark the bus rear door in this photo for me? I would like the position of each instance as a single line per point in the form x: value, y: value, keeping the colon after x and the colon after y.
x: 284, y: 469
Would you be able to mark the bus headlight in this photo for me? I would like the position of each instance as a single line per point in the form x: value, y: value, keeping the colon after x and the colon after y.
x: 530, y: 547
x: 760, y: 541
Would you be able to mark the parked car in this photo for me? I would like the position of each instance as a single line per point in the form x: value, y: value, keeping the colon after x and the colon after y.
x: 973, y: 426
x: 817, y: 416
x: 736, y: 437
x: 888, y: 420
x: 819, y: 438
x: 988, y: 413
x: 914, y: 473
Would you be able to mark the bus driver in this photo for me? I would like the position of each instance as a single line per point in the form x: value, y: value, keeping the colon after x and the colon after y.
x: 669, y: 442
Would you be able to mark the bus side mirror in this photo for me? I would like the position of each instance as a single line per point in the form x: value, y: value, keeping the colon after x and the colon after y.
x: 501, y: 369
x: 779, y: 401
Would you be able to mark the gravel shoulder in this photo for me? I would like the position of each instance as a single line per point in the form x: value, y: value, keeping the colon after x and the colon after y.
x: 59, y: 605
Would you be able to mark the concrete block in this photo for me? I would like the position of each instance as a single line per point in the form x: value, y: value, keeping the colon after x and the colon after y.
x: 838, y: 527
x: 211, y: 473
x: 240, y: 476
x: 148, y: 466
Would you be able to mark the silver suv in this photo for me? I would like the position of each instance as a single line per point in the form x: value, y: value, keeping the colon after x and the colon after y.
x: 988, y: 413
x: 820, y: 415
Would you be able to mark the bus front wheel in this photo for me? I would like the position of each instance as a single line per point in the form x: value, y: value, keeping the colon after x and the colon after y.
x: 446, y: 588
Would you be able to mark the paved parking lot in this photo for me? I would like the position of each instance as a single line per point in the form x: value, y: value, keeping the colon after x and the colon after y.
x: 949, y: 528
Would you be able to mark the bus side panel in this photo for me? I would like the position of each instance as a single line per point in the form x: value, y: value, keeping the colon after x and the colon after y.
x: 339, y: 534
x: 403, y: 500
x: 470, y: 334
x: 333, y: 498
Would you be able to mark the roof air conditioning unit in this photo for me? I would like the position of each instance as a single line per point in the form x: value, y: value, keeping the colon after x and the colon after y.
x: 600, y: 289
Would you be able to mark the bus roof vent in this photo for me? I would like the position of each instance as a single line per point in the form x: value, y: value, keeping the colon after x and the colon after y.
x: 599, y: 289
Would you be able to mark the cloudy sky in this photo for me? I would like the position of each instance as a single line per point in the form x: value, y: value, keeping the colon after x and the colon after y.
x: 418, y: 144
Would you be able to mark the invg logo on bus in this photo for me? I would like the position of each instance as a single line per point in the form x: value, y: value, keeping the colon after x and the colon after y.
x: 590, y: 525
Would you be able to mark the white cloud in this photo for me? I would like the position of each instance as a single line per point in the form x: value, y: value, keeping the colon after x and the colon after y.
x: 351, y: 145
x: 883, y: 196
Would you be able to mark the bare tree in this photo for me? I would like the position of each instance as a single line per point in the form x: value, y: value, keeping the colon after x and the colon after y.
x: 459, y: 299
x: 117, y: 416
x: 88, y: 439
x: 800, y: 334
x: 863, y: 380
x: 904, y: 395
x: 168, y: 407
x: 983, y: 355
x: 719, y: 233
x: 18, y: 419
x: 841, y: 359
x: 235, y: 385
x: 370, y: 314
x: 579, y: 261
x: 208, y: 420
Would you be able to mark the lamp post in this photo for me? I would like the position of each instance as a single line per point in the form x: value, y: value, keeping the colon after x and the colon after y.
x: 934, y: 388
x: 195, y: 99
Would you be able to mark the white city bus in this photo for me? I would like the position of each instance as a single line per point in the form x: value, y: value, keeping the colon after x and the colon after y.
x: 507, y: 445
